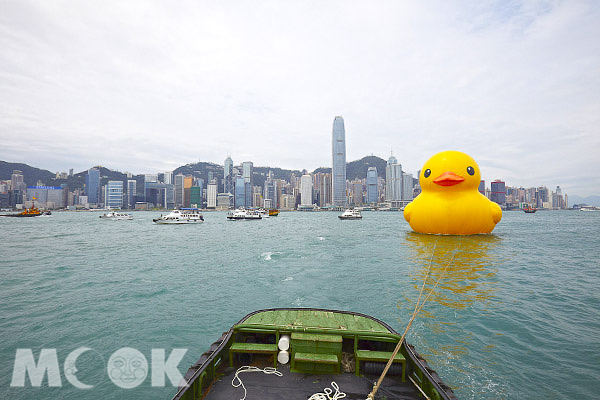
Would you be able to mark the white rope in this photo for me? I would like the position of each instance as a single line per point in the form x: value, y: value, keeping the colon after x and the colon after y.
x: 245, y: 368
x: 326, y: 395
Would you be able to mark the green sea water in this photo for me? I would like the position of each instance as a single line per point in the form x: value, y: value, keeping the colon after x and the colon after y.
x: 516, y: 314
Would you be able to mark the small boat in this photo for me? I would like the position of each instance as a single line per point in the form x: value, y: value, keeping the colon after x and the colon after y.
x: 273, y: 212
x: 589, y: 208
x: 529, y: 209
x: 28, y: 212
x: 243, y: 214
x: 295, y: 353
x: 180, y: 216
x: 350, y: 214
x: 115, y: 216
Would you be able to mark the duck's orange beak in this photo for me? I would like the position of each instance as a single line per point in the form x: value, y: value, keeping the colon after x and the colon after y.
x: 448, y: 178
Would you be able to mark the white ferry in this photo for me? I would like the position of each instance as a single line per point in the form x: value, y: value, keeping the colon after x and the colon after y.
x: 350, y: 214
x: 243, y: 214
x: 181, y: 216
x: 115, y: 216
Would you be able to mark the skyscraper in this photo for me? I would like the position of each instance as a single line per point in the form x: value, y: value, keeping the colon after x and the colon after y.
x: 179, y: 190
x: 92, y: 185
x: 247, y: 172
x: 306, y: 187
x: 393, y: 180
x: 338, y: 170
x: 228, y: 176
x: 114, y: 194
x: 372, y: 193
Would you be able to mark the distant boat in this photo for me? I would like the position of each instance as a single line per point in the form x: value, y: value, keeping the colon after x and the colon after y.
x: 273, y: 212
x: 589, y: 208
x: 350, y: 214
x: 243, y: 214
x: 115, y: 216
x: 28, y: 212
x: 181, y: 216
x: 529, y: 209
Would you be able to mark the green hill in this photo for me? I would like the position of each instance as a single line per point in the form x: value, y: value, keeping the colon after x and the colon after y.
x: 358, y: 169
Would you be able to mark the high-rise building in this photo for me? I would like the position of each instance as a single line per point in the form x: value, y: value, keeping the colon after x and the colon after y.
x: 92, y: 185
x: 498, y: 192
x: 393, y: 180
x: 179, y: 191
x: 188, y: 181
x: 240, y: 192
x: 407, y: 187
x: 338, y: 170
x: 306, y: 187
x: 482, y: 187
x: 228, y: 178
x: 168, y: 177
x: 372, y: 192
x: 131, y: 192
x: 211, y: 194
x: 325, y: 198
x: 357, y: 192
x: 114, y: 194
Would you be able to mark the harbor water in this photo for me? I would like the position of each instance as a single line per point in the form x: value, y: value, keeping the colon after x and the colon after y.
x: 516, y: 314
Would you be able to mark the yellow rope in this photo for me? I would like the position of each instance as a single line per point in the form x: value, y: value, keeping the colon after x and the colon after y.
x: 418, y: 307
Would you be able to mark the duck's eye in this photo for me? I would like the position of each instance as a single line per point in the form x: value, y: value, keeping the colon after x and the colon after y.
x: 470, y: 171
x: 427, y: 173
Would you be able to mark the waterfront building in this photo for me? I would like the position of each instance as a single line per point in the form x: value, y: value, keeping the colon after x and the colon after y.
x: 498, y: 192
x: 338, y: 170
x: 482, y: 187
x: 211, y: 194
x: 306, y: 187
x: 114, y: 194
x: 224, y: 200
x: 196, y: 196
x: 288, y: 201
x: 92, y: 186
x: 150, y: 177
x: 240, y: 192
x: 179, y: 190
x: 188, y: 181
x: 393, y: 178
x: 168, y: 177
x: 17, y: 181
x: 131, y: 192
x: 158, y: 194
x: 228, y: 178
x: 407, y: 187
x: 356, y: 192
x: 46, y: 196
x: 326, y: 190
x: 372, y: 181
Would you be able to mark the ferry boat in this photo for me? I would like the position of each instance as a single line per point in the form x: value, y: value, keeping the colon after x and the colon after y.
x: 180, y: 216
x: 350, y: 214
x: 529, y: 209
x: 115, y: 216
x: 243, y: 214
x: 273, y: 212
x: 295, y: 353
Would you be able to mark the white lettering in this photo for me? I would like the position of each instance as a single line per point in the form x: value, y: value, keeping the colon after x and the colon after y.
x: 24, y: 362
x: 160, y: 367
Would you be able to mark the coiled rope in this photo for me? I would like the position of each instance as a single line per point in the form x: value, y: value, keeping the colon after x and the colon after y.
x: 326, y: 395
x: 418, y: 307
x: 245, y: 368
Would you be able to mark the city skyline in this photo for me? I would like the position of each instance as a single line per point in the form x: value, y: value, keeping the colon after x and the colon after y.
x: 146, y: 87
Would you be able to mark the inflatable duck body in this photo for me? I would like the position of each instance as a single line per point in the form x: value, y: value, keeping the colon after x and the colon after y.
x: 450, y: 202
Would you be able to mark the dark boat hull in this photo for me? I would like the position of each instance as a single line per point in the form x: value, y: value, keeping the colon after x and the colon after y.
x: 211, y: 376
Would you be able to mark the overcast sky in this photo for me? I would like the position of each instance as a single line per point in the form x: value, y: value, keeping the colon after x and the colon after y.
x: 147, y: 86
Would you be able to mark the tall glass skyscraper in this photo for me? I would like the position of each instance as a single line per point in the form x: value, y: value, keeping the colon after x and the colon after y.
x: 372, y: 181
x: 338, y: 171
x: 92, y: 185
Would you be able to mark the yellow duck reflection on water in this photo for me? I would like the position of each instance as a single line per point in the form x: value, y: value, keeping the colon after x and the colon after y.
x: 469, y: 262
x: 466, y: 267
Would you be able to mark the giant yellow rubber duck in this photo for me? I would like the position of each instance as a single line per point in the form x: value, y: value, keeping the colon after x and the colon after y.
x: 450, y: 202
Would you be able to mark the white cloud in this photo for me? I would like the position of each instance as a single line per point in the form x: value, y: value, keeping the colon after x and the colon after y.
x: 145, y: 86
